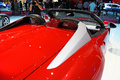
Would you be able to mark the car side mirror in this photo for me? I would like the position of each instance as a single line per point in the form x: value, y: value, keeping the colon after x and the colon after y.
x: 111, y: 25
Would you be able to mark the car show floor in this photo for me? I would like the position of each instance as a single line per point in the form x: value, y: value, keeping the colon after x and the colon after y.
x: 112, y: 55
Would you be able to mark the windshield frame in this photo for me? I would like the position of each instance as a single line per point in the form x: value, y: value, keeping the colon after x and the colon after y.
x: 94, y: 16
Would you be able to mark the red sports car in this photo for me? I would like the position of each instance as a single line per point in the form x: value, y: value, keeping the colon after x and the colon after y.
x: 70, y: 46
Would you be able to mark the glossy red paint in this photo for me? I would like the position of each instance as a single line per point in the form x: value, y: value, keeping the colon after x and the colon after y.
x: 83, y: 63
x: 22, y: 47
x: 26, y: 51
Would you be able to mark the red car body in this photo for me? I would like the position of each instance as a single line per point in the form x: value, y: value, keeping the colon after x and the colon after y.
x: 28, y: 50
